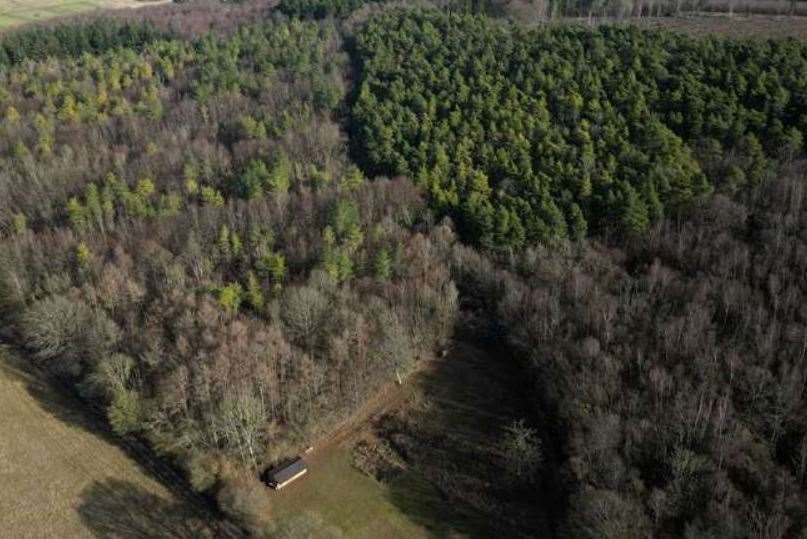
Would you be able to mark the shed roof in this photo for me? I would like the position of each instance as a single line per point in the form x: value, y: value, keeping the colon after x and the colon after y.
x: 281, y: 475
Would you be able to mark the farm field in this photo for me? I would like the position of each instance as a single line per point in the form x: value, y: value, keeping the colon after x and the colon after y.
x: 17, y: 12
x: 735, y: 26
x: 62, y: 478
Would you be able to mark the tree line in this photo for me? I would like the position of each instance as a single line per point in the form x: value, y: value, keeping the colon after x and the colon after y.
x: 72, y: 40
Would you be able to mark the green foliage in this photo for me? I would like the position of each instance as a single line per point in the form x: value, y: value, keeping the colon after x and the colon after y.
x: 383, y: 265
x: 536, y: 135
x: 212, y: 197
x: 273, y: 265
x: 230, y: 297
x: 353, y: 178
x: 252, y: 181
x: 257, y: 178
x: 124, y: 412
x: 19, y: 223
x: 223, y: 245
x: 278, y: 180
x: 345, y: 222
x: 98, y: 208
x: 253, y: 128
x: 254, y: 292
x: 65, y: 40
x: 336, y: 259
x: 83, y: 256
x: 76, y: 214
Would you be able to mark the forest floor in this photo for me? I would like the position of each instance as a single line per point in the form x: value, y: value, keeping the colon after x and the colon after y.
x: 63, y: 475
x: 17, y: 12
x: 462, y: 399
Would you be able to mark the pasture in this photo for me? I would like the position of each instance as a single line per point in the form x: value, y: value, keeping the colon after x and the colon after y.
x: 18, y: 12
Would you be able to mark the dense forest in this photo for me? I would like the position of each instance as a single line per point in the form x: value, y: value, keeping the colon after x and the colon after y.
x: 186, y: 241
x: 229, y: 227
x: 527, y: 136
x: 672, y: 369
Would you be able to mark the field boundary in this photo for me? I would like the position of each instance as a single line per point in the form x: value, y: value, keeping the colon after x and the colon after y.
x: 158, y: 468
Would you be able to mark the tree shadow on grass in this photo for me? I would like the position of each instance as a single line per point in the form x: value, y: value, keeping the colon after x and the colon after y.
x: 420, y: 501
x: 58, y: 400
x: 455, y: 483
x: 122, y: 510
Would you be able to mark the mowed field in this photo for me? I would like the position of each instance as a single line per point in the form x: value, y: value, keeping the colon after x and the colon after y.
x: 17, y: 12
x: 62, y: 476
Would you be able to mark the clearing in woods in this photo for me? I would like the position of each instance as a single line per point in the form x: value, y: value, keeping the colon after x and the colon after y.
x: 17, y: 12
x: 62, y: 476
x: 339, y: 498
x: 458, y: 405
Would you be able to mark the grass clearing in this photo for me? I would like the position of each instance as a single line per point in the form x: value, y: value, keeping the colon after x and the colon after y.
x: 62, y: 477
x: 452, y: 413
x: 355, y: 504
x: 17, y: 12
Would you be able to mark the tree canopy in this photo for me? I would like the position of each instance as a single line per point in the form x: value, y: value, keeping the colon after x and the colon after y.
x: 533, y: 135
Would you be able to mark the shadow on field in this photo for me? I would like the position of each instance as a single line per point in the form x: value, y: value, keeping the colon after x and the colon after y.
x: 58, y: 400
x: 54, y: 397
x: 119, y: 509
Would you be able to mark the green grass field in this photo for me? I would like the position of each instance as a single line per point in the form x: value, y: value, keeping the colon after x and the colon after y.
x: 466, y: 405
x: 350, y: 502
x: 17, y: 12
x: 63, y: 476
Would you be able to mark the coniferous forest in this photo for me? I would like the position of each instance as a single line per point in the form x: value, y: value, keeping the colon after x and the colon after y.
x: 229, y: 226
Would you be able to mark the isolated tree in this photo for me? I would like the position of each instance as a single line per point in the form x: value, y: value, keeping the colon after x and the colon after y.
x: 522, y: 451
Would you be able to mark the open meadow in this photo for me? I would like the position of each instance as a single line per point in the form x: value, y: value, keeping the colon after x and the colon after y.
x: 63, y: 477
x: 17, y: 12
x: 422, y: 464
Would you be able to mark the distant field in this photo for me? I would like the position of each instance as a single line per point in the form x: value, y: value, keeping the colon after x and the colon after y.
x: 738, y: 25
x: 17, y: 12
x: 61, y: 477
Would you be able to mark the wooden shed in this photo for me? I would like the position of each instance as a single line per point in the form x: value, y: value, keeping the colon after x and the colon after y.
x: 283, y: 475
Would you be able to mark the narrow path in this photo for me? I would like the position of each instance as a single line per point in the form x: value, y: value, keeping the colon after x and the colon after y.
x: 389, y: 397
